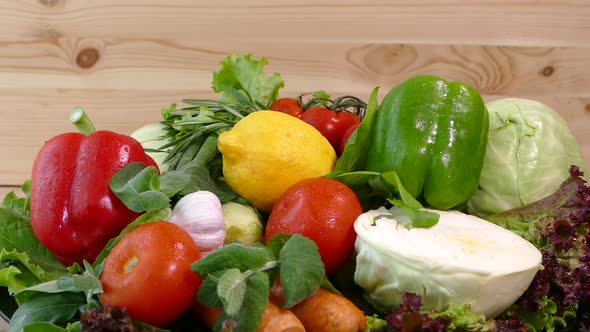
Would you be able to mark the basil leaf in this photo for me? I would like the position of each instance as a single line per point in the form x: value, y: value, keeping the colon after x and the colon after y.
x: 394, y: 184
x: 58, y: 308
x: 207, y: 294
x: 255, y: 301
x: 302, y: 270
x: 413, y: 217
x: 131, y: 181
x: 231, y: 289
x: 355, y: 152
x: 153, y: 201
x: 276, y: 243
x: 234, y: 255
x: 200, y: 179
x: 45, y: 327
x: 172, y: 182
x: 85, y: 283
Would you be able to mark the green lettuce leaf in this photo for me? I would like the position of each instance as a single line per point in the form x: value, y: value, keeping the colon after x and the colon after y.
x: 242, y: 80
x: 375, y: 324
x: 462, y: 319
x: 24, y: 261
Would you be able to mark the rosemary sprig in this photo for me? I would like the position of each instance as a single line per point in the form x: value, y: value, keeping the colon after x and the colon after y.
x: 188, y: 127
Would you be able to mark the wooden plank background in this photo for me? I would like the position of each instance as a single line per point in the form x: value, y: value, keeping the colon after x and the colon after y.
x: 122, y: 60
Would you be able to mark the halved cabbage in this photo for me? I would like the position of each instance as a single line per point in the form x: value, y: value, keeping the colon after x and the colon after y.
x: 461, y: 260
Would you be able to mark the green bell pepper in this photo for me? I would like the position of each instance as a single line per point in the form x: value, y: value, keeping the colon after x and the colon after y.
x: 433, y: 133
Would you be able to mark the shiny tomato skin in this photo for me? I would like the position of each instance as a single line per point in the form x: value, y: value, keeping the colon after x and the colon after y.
x: 323, y: 210
x: 346, y: 136
x: 287, y: 105
x: 148, y: 272
x: 331, y: 124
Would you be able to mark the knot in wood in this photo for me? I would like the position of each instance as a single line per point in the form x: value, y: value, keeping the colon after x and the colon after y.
x: 548, y: 71
x: 87, y: 58
x: 52, y: 3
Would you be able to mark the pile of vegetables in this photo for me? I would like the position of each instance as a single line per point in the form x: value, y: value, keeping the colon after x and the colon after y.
x: 427, y: 211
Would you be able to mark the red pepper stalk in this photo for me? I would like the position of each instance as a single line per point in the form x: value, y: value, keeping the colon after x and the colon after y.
x: 73, y: 211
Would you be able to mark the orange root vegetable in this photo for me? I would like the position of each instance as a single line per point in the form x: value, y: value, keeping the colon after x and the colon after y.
x: 275, y: 319
x: 329, y: 312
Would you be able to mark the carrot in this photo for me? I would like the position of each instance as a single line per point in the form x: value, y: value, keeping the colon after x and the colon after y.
x: 325, y: 311
x: 275, y: 319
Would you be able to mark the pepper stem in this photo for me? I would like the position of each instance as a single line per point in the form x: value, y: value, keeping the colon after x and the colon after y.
x: 80, y: 119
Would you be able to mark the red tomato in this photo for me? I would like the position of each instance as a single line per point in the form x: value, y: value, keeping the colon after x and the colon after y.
x: 148, y: 272
x: 331, y: 124
x: 287, y: 105
x: 323, y: 210
x: 347, y: 135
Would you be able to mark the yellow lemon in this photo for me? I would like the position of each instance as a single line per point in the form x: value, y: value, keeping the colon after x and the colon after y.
x: 267, y: 152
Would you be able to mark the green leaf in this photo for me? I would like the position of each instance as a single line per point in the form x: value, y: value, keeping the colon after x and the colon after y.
x: 241, y: 79
x: 16, y: 203
x: 44, y: 327
x: 302, y: 270
x: 414, y: 218
x: 18, y: 271
x: 355, y: 153
x: 21, y: 248
x: 131, y: 183
x: 462, y: 318
x: 234, y: 255
x: 375, y: 324
x: 173, y: 182
x: 86, y: 283
x: 59, y: 308
x: 394, y: 184
x: 153, y: 201
x: 200, y: 179
x: 145, y: 218
x: 207, y: 294
x: 250, y: 315
x: 276, y: 243
x: 546, y: 318
x: 367, y: 185
x: 321, y: 94
x: 231, y: 289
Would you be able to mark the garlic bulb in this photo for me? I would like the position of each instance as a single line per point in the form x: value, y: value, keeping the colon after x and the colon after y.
x: 200, y: 214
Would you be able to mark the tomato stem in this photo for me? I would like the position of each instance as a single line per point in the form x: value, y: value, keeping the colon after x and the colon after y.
x: 130, y: 265
x: 350, y: 104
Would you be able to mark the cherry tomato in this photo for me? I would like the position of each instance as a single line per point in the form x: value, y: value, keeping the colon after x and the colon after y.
x: 331, y: 124
x: 287, y: 105
x: 346, y: 136
x: 323, y: 210
x: 148, y: 272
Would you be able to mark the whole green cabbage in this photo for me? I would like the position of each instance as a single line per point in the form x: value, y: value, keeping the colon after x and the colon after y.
x: 530, y: 149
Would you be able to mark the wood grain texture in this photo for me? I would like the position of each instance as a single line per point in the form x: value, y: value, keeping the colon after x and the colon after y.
x: 124, y: 60
x: 501, y: 22
x: 175, y: 64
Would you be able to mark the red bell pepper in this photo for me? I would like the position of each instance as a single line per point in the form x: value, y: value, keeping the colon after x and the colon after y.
x: 73, y: 211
